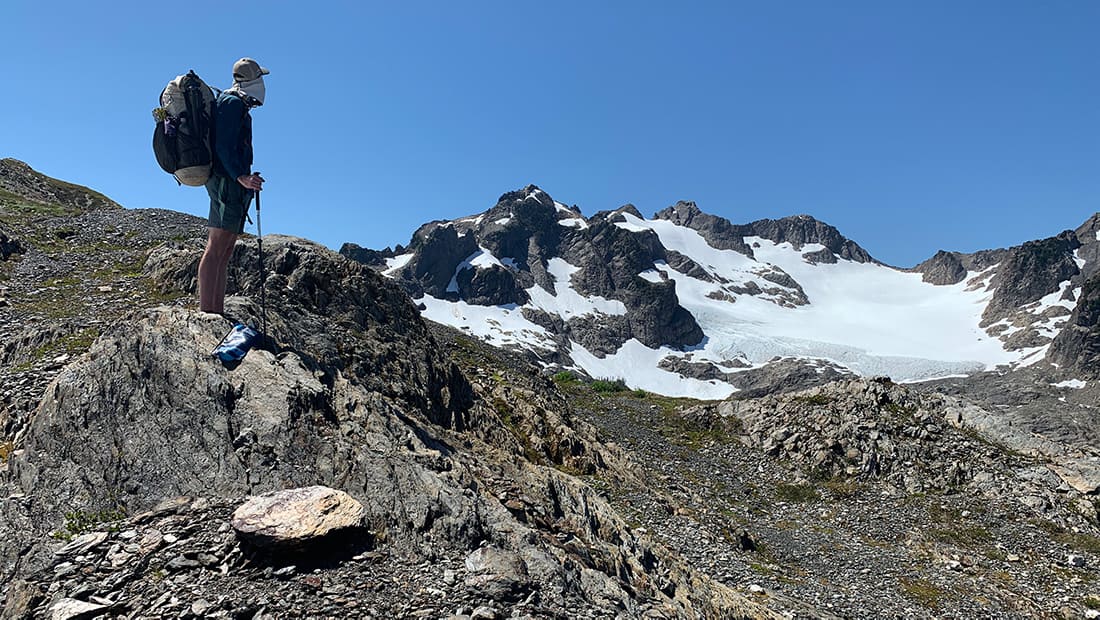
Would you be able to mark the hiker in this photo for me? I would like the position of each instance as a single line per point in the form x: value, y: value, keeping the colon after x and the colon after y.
x: 232, y: 182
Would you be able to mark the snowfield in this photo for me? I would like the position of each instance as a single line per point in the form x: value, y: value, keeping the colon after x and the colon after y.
x: 869, y: 318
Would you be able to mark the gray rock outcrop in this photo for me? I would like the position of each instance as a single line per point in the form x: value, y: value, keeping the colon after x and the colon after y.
x: 523, y: 230
x: 9, y: 246
x: 1088, y: 233
x: 1030, y: 272
x: 367, y: 256
x: 800, y: 230
x: 718, y: 231
x: 797, y: 230
x: 439, y: 248
x: 946, y: 268
x: 1077, y: 347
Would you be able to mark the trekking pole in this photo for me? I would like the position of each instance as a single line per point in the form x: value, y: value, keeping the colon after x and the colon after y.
x: 260, y: 244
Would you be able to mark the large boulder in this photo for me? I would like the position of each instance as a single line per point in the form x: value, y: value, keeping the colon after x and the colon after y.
x: 294, y: 518
x: 9, y: 246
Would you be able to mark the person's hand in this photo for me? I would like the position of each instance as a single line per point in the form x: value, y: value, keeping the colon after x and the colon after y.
x: 251, y: 181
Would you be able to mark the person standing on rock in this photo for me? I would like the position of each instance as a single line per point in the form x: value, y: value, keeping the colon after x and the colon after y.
x: 232, y: 182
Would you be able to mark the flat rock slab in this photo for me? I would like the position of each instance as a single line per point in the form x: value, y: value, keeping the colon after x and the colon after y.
x: 295, y: 517
x: 72, y: 609
x: 82, y: 543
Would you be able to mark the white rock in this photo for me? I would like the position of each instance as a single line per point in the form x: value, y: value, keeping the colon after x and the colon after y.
x: 72, y: 609
x: 296, y: 516
x: 82, y: 543
x: 485, y: 613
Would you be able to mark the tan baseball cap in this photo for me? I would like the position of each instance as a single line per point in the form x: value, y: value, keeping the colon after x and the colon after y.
x: 246, y: 70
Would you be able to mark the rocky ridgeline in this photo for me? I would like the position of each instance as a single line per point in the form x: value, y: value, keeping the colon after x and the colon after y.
x: 1020, y: 277
x: 861, y: 430
x: 17, y: 179
x: 530, y: 228
x: 798, y: 230
x: 352, y: 391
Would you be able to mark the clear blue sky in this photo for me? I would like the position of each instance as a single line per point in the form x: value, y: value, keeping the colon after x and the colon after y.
x: 909, y: 125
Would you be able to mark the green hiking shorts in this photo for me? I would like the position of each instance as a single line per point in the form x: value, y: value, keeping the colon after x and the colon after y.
x: 229, y: 202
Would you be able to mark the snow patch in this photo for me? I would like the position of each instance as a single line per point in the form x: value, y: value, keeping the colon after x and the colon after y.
x: 1051, y: 327
x: 565, y: 301
x: 573, y: 222
x: 1032, y: 356
x: 482, y: 259
x: 1072, y: 384
x: 636, y: 364
x: 509, y: 263
x: 502, y: 221
x: 560, y: 207
x: 627, y: 225
x: 1054, y: 299
x: 497, y: 325
x: 393, y: 265
x: 652, y: 275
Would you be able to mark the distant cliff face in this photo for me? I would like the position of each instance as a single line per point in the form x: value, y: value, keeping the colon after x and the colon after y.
x: 694, y: 298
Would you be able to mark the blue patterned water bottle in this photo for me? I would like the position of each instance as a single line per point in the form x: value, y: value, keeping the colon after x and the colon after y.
x: 236, y: 343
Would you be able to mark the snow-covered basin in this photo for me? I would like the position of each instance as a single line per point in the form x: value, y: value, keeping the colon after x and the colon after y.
x: 871, y: 318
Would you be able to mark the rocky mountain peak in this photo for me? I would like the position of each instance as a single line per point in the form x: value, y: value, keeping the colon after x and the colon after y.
x: 571, y: 287
x: 20, y: 180
x: 684, y: 210
x: 946, y: 268
x: 617, y: 214
x: 717, y: 231
x: 1089, y: 252
x: 1089, y: 230
x: 530, y: 192
x: 1032, y: 271
x: 800, y: 230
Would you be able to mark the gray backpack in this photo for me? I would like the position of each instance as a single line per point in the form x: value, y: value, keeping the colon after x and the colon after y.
x: 183, y: 140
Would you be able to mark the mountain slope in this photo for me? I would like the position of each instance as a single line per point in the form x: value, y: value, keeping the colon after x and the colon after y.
x: 486, y: 489
x: 350, y: 389
x: 690, y: 304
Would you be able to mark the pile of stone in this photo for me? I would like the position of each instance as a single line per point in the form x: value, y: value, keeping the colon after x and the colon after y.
x: 866, y: 429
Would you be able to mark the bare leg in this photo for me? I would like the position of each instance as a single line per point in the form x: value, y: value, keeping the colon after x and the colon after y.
x: 212, y: 269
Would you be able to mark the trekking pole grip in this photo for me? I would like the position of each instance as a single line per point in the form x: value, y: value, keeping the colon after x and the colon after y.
x: 256, y: 193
